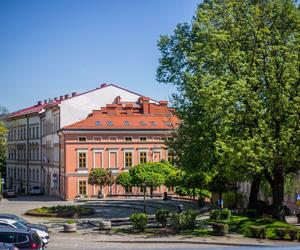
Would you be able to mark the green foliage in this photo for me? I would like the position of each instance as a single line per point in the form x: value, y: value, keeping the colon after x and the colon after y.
x: 161, y: 216
x: 124, y: 179
x: 139, y: 221
x: 70, y: 221
x: 220, y: 214
x: 230, y: 199
x: 188, y: 184
x: 220, y: 229
x: 252, y: 213
x: 3, y: 147
x: 185, y: 220
x: 100, y: 177
x: 286, y: 233
x: 236, y: 68
x: 153, y: 173
x: 257, y: 231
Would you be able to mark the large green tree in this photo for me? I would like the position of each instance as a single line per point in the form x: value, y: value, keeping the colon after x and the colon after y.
x: 100, y: 177
x: 236, y: 68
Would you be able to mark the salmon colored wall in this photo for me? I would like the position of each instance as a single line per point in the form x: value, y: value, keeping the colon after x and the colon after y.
x: 94, y: 142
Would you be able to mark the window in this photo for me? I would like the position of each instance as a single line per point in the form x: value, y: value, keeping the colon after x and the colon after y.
x: 128, y: 159
x: 144, y: 138
x: 97, y: 138
x: 109, y: 123
x: 128, y: 189
x: 7, y: 237
x: 143, y: 123
x: 126, y: 123
x: 143, y: 157
x: 98, y: 123
x: 152, y: 123
x: 82, y: 187
x: 81, y: 138
x: 170, y: 156
x: 128, y: 138
x: 82, y: 160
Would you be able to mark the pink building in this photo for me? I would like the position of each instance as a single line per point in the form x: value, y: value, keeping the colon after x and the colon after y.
x: 116, y: 137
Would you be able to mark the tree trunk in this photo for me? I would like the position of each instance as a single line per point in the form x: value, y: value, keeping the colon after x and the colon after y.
x: 278, y: 193
x: 254, y: 192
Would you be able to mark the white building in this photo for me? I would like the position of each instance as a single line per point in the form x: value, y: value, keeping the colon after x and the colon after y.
x: 33, y: 142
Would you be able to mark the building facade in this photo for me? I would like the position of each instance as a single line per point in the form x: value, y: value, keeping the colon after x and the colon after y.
x: 116, y: 137
x: 33, y: 141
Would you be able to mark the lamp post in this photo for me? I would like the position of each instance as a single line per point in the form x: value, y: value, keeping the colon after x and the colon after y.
x: 144, y: 189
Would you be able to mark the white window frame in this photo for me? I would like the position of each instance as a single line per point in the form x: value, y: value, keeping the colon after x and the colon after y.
x: 143, y: 137
x: 82, y: 137
x: 87, y: 159
x: 128, y: 137
x: 128, y: 151
x: 94, y: 157
x: 87, y: 187
x: 157, y: 151
x: 110, y: 138
x: 143, y: 150
x: 113, y: 151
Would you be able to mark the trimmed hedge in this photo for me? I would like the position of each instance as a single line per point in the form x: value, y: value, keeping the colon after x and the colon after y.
x: 220, y: 229
x: 220, y: 214
x: 139, y: 221
x: 258, y: 231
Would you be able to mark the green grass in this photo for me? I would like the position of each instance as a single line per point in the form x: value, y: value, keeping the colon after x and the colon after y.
x: 241, y: 224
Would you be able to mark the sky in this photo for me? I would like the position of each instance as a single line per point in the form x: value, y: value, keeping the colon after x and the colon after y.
x: 53, y: 47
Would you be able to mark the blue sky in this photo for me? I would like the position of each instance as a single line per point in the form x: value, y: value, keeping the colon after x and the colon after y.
x: 50, y: 48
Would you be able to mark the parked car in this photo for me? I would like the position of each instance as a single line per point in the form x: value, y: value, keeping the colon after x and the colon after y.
x: 35, y: 190
x: 9, y: 193
x: 22, y: 239
x: 15, y: 224
x: 7, y: 246
x: 24, y: 222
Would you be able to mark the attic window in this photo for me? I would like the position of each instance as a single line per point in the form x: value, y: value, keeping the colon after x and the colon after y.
x: 126, y: 123
x: 153, y: 123
x: 143, y: 123
x: 109, y: 123
x: 98, y: 123
x: 169, y: 124
x: 81, y: 138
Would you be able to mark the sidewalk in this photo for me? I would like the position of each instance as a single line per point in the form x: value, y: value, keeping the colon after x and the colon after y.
x: 231, y: 240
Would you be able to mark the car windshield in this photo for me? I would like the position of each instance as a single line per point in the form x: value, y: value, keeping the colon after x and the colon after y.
x: 19, y: 225
x: 22, y: 221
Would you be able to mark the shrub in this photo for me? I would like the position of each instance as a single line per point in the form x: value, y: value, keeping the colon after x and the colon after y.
x: 220, y: 214
x: 220, y: 229
x: 257, y: 231
x: 161, y: 216
x: 139, y: 221
x: 70, y: 221
x: 185, y: 220
x: 251, y: 213
x: 281, y: 233
x: 293, y: 234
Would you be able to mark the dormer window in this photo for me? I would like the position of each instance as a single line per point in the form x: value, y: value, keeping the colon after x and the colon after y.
x: 109, y: 123
x: 98, y: 123
x: 143, y: 123
x: 169, y: 124
x: 152, y: 123
x: 126, y: 123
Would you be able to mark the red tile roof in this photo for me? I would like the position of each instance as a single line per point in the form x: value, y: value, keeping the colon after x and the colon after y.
x: 129, y: 116
x: 30, y: 110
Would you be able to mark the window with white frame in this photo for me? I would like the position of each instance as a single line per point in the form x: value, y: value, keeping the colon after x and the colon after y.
x: 143, y: 157
x: 128, y: 159
x: 82, y: 190
x: 82, y: 159
x: 81, y: 138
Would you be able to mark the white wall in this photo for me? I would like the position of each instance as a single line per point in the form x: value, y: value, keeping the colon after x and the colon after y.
x: 77, y: 108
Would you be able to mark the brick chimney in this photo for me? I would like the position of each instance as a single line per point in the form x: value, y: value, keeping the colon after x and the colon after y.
x: 145, y: 104
x: 117, y: 100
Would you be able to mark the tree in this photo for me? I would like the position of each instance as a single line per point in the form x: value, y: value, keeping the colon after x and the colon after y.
x: 100, y: 177
x: 124, y: 179
x: 236, y: 68
x: 153, y: 174
x: 3, y: 147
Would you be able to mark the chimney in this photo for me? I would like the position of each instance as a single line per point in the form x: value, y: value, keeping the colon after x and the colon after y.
x: 55, y: 98
x: 61, y: 97
x: 45, y: 101
x: 74, y: 94
x: 117, y: 100
x: 129, y: 108
x: 66, y: 96
x: 39, y: 103
x: 145, y: 104
x: 103, y: 85
x: 163, y: 103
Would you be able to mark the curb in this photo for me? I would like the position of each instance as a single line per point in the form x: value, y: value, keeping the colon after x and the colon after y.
x: 183, y: 242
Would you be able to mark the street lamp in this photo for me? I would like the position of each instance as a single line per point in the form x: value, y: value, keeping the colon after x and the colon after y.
x: 144, y: 189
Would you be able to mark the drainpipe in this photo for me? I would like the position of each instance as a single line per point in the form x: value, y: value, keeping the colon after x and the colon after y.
x: 59, y: 155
